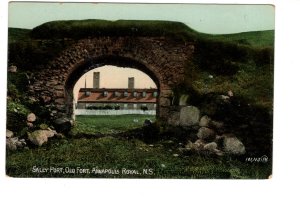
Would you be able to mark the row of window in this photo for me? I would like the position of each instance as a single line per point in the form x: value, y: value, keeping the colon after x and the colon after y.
x: 117, y: 94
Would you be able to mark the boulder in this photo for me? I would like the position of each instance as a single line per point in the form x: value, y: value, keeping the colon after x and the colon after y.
x: 174, y: 119
x: 31, y: 117
x: 210, y: 146
x: 204, y: 121
x: 9, y: 133
x: 39, y: 137
x: 199, y: 144
x: 62, y: 125
x: 12, y: 68
x: 233, y: 145
x: 206, y: 134
x: 11, y: 144
x: 147, y: 122
x: 189, y: 116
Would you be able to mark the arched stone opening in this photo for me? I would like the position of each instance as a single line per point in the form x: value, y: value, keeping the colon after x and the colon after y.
x: 163, y: 59
x: 81, y: 68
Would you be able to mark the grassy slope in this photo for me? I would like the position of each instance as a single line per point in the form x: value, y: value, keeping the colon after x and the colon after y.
x: 109, y: 123
x: 119, y: 153
x: 255, y: 38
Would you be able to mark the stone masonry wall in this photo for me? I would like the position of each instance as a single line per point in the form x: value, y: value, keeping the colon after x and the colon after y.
x: 161, y: 58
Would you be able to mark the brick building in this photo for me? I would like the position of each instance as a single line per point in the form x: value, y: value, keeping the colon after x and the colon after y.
x: 117, y: 98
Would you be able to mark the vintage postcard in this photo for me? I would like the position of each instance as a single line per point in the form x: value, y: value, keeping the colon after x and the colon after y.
x: 136, y: 90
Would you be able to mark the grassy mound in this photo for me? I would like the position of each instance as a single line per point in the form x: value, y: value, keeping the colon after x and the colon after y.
x: 92, y: 27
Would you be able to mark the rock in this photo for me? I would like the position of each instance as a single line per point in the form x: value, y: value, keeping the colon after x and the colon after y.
x: 40, y: 137
x: 230, y: 93
x: 62, y: 125
x: 12, y: 68
x: 20, y: 144
x: 183, y: 99
x: 216, y: 124
x: 199, y: 144
x: 59, y: 136
x: 174, y: 119
x: 10, y: 144
x: 31, y: 117
x: 9, y: 133
x: 204, y: 121
x: 147, y: 122
x: 233, y: 145
x: 189, y: 116
x: 206, y: 134
x: 210, y: 146
x: 29, y: 124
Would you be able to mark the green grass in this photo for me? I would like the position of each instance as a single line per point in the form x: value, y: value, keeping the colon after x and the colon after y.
x: 119, y: 153
x: 253, y: 38
x: 108, y: 124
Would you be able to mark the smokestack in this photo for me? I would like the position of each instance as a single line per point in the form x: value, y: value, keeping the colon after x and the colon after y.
x: 130, y: 82
x: 96, y: 80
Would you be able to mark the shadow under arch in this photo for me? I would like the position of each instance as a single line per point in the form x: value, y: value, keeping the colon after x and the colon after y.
x: 92, y: 63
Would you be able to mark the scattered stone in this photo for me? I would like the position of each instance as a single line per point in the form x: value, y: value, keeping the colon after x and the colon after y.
x: 31, y: 117
x: 174, y: 119
x: 10, y: 145
x: 211, y: 146
x: 183, y: 99
x: 230, y: 93
x: 163, y: 165
x: 62, y: 125
x: 151, y: 145
x: 12, y: 68
x: 39, y: 137
x: 59, y: 136
x: 175, y: 155
x: 216, y: 124
x: 233, y: 145
x: 147, y: 122
x: 210, y: 76
x: 43, y: 126
x: 14, y: 143
x: 20, y: 144
x: 9, y: 133
x: 206, y: 134
x: 189, y: 116
x: 204, y: 121
x: 224, y: 97
x: 29, y: 124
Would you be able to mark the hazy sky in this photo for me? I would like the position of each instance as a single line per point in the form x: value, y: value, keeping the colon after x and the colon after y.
x: 203, y: 18
x: 115, y: 77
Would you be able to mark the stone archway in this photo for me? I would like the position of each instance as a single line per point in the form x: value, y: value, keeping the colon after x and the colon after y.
x: 161, y: 58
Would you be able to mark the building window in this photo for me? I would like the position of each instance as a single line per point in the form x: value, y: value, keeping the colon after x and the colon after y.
x: 135, y: 106
x: 154, y: 94
x: 125, y: 105
x: 117, y: 94
x: 144, y: 94
x: 87, y: 93
x: 105, y: 93
x: 135, y: 94
x: 125, y: 94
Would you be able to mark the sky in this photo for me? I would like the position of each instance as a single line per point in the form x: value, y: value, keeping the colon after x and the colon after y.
x: 114, y: 77
x: 214, y: 19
